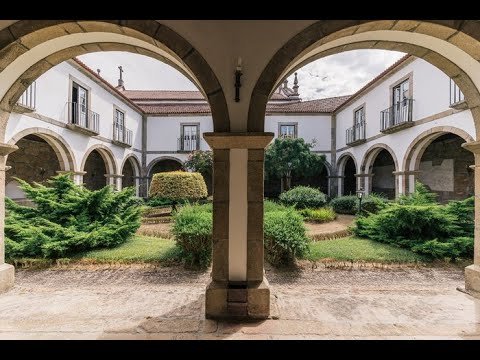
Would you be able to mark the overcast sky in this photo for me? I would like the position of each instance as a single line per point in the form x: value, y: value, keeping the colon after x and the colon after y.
x: 335, y: 75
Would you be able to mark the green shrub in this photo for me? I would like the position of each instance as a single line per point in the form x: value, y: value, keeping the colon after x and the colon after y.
x: 345, y: 204
x: 421, y: 196
x: 177, y: 186
x: 157, y: 201
x: 269, y: 205
x: 302, y: 197
x: 192, y: 229
x: 373, y: 203
x: 284, y: 236
x: 432, y: 229
x: 319, y: 215
x: 68, y: 218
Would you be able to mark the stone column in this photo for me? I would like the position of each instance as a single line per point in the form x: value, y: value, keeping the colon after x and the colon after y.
x: 334, y: 184
x: 7, y: 272
x: 472, y: 272
x: 364, y: 181
x: 115, y: 180
x: 405, y: 182
x: 77, y: 176
x: 238, y: 287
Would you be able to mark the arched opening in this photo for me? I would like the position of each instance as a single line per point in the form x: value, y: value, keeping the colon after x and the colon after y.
x: 39, y: 157
x: 95, y: 171
x: 439, y: 161
x: 131, y: 173
x: 347, y: 170
x: 383, y: 179
x: 350, y: 182
x: 163, y: 165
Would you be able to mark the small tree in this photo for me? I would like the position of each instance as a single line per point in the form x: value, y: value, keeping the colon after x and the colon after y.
x: 177, y: 186
x: 202, y: 162
x: 287, y: 156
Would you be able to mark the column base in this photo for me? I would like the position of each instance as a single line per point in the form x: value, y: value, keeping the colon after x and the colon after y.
x: 472, y: 280
x: 7, y: 277
x: 225, y: 300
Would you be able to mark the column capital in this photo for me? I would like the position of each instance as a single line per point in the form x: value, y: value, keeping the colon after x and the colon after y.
x: 238, y: 140
x: 6, y: 149
x: 113, y: 175
x: 335, y: 177
x: 473, y: 146
x: 407, y: 172
x: 363, y: 175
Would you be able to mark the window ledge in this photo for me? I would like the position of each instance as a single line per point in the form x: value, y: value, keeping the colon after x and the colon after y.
x: 398, y: 127
x: 357, y: 142
x: 461, y: 105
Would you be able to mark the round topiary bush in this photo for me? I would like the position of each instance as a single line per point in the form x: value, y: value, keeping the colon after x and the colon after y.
x: 303, y: 197
x: 178, y: 186
x: 345, y: 204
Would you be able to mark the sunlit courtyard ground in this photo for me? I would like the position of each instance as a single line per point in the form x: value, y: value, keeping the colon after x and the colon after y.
x: 152, y: 302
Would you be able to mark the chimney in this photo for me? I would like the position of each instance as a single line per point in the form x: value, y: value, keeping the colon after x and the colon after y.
x: 120, y: 85
x: 98, y: 72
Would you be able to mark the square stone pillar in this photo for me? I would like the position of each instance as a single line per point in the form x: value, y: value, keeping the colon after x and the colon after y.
x: 404, y: 182
x: 7, y: 272
x: 472, y: 272
x: 335, y: 185
x: 115, y: 180
x: 364, y: 181
x: 238, y: 288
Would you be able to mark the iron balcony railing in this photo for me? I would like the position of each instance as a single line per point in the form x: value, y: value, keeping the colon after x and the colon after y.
x: 81, y: 116
x: 188, y: 143
x: 122, y: 135
x: 356, y: 133
x: 29, y: 97
x: 398, y: 114
x: 456, y: 95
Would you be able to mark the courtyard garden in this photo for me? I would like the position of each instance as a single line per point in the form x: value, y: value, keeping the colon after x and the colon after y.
x: 70, y: 224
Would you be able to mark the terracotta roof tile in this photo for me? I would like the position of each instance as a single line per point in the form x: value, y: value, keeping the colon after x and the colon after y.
x: 180, y: 95
x: 313, y: 106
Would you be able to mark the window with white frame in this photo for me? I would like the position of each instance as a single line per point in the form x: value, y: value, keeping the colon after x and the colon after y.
x: 287, y: 131
x: 190, y: 139
x: 119, y: 125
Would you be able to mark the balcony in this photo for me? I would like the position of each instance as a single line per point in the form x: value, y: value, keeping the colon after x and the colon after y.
x: 356, y: 134
x: 188, y: 143
x: 82, y: 119
x: 122, y: 136
x: 27, y: 101
x: 457, y: 99
x: 397, y: 117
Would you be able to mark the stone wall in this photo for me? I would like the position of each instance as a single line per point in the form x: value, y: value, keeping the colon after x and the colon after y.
x: 35, y: 160
x: 95, y: 168
x: 445, y: 168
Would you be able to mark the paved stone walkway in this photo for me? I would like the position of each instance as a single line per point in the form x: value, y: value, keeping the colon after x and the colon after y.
x: 141, y: 302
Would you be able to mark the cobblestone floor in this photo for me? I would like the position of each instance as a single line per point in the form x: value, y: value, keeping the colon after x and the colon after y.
x: 142, y: 302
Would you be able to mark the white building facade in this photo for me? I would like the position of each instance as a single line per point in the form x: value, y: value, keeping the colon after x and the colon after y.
x: 381, y: 139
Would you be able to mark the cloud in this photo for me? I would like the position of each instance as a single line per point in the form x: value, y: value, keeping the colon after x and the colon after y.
x: 335, y: 75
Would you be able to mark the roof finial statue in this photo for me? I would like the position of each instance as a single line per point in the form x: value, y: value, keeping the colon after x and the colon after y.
x: 120, y: 85
x: 98, y: 72
x: 295, y: 85
x: 285, y: 83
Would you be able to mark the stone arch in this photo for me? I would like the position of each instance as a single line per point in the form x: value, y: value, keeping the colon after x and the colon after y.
x: 371, y: 154
x: 62, y: 149
x: 159, y: 159
x: 27, y: 55
x: 418, y: 145
x: 106, y: 155
x: 342, y: 160
x: 453, y: 46
x: 135, y: 164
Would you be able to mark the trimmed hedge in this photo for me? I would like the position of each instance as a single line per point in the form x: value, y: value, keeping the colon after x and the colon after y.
x: 345, y: 204
x: 284, y: 236
x: 192, y: 229
x: 302, y: 197
x: 178, y: 185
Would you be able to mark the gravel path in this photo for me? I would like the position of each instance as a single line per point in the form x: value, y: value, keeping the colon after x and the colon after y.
x: 145, y: 302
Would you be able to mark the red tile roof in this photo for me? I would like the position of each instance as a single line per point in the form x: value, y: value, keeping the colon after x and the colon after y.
x: 326, y: 105
x: 179, y: 95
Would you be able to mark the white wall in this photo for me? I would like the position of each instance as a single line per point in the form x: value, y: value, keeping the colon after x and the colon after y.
x: 309, y: 127
x: 163, y: 132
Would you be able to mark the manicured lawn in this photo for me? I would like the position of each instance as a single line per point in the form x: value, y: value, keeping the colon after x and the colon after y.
x: 137, y: 249
x: 357, y: 249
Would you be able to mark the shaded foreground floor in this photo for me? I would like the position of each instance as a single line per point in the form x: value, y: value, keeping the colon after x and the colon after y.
x: 143, y: 302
